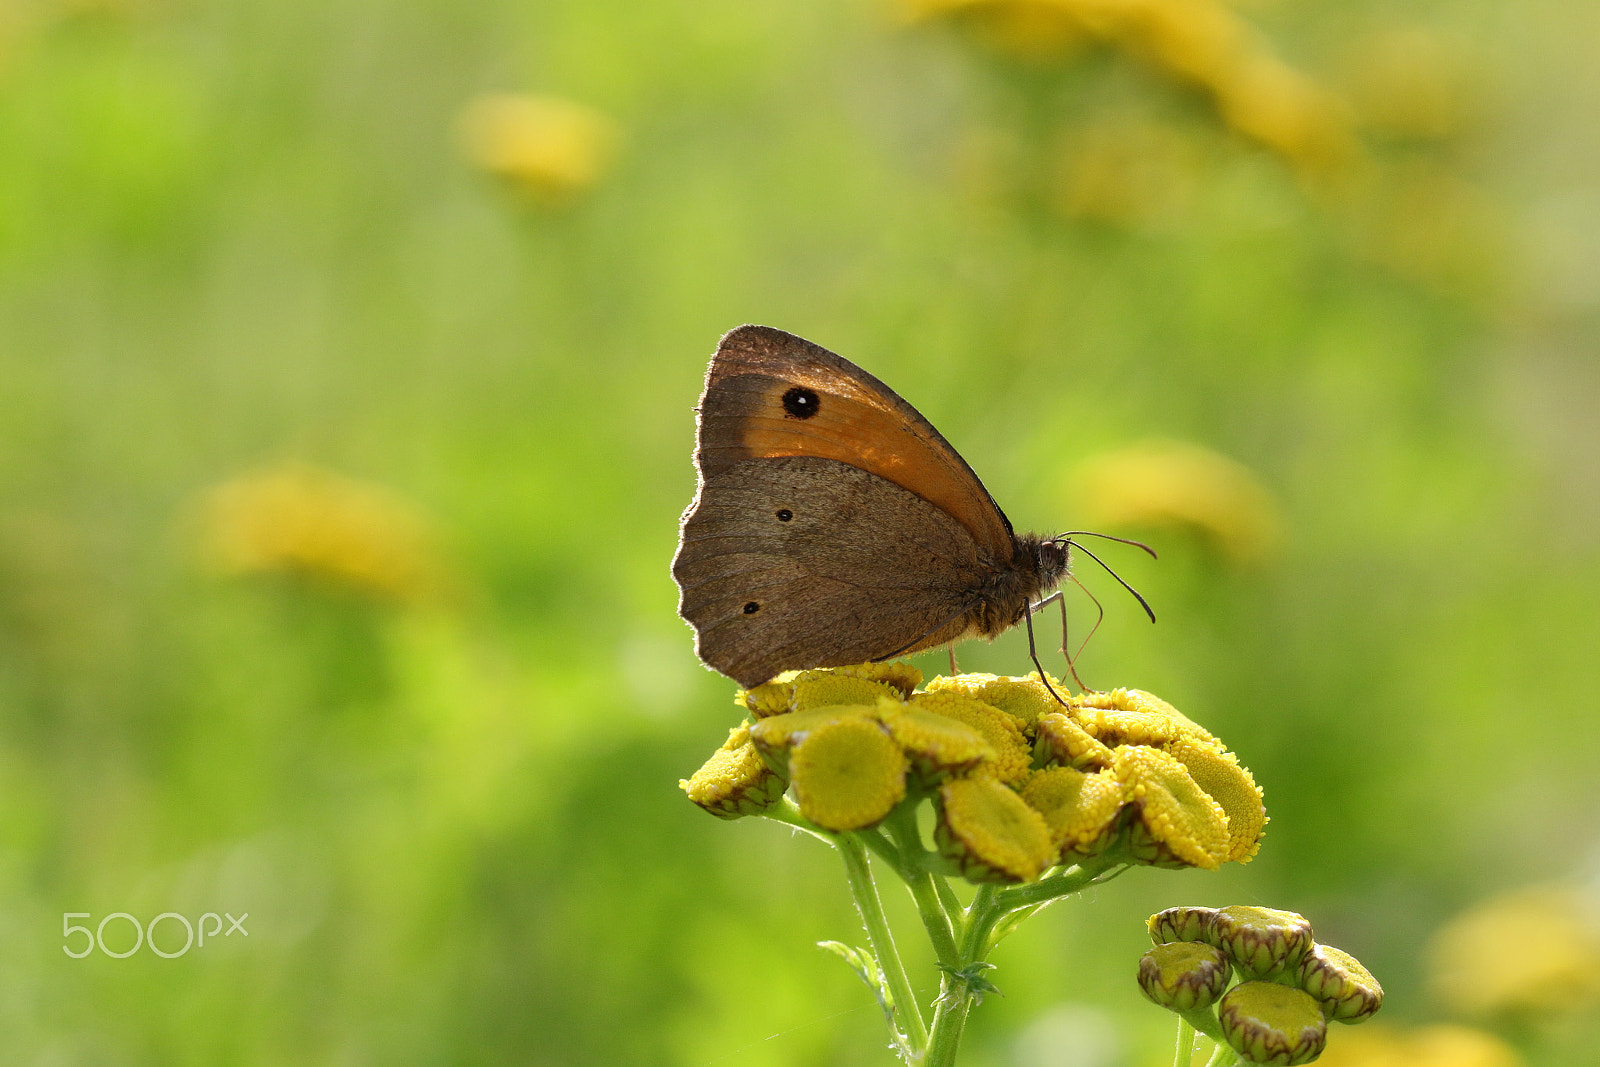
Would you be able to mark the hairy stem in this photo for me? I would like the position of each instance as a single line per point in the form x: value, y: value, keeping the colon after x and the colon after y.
x: 865, y: 891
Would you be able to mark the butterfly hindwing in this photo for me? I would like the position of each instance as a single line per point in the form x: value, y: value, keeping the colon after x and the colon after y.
x: 798, y: 562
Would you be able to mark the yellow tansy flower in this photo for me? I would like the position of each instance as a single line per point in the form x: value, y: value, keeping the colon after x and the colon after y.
x: 847, y: 774
x: 1179, y: 825
x: 1271, y: 1023
x: 770, y: 698
x: 1262, y: 942
x: 735, y: 781
x: 1340, y: 983
x: 1058, y: 739
x: 937, y: 744
x: 1012, y: 753
x: 1081, y: 810
x: 897, y: 674
x: 776, y: 735
x: 1224, y: 780
x: 1024, y: 699
x: 1154, y: 784
x: 815, y: 688
x: 1129, y: 717
x: 987, y: 830
x: 1183, y: 924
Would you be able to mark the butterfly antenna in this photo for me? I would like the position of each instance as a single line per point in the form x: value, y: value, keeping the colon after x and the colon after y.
x: 1143, y: 603
x: 1064, y: 539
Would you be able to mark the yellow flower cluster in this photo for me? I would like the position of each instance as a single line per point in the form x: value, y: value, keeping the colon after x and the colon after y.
x: 307, y: 522
x: 1200, y: 43
x: 1020, y: 782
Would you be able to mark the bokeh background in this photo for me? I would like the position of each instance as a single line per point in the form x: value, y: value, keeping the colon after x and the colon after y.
x: 347, y: 358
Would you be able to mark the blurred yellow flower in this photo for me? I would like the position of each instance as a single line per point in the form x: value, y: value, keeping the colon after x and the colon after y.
x: 303, y: 521
x: 1126, y: 170
x: 1428, y: 224
x: 1427, y: 1046
x: 550, y: 149
x: 1161, y: 483
x: 1410, y: 83
x: 1201, y: 43
x: 1531, y: 951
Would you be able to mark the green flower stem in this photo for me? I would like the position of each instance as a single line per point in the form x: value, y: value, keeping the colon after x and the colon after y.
x: 882, y: 848
x: 902, y: 824
x: 1224, y: 1056
x: 947, y: 896
x: 787, y: 812
x: 955, y: 997
x: 949, y: 1019
x: 870, y: 906
x: 1185, y: 1053
x: 1205, y: 1021
x: 1068, y: 881
x: 982, y: 916
x: 1012, y: 920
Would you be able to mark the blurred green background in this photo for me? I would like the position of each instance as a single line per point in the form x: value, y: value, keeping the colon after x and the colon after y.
x: 346, y: 416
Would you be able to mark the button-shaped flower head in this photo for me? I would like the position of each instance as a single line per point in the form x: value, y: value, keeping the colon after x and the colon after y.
x: 1184, y: 976
x: 1270, y: 1023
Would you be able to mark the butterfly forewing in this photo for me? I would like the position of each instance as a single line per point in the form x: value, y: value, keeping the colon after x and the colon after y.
x: 770, y: 393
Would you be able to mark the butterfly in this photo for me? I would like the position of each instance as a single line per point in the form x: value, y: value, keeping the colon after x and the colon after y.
x: 833, y: 525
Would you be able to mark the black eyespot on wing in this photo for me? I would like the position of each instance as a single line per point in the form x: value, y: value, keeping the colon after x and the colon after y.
x: 751, y: 608
x: 784, y: 514
x: 801, y: 403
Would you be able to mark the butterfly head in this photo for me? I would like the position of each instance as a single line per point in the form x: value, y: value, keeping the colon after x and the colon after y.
x: 1054, y: 557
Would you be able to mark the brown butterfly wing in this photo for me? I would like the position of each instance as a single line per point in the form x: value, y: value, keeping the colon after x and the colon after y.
x: 798, y: 562
x: 855, y: 419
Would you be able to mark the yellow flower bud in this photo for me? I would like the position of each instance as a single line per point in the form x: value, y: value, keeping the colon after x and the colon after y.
x: 1184, y: 977
x: 1272, y: 1024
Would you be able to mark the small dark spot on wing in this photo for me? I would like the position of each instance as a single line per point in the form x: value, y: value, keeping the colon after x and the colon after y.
x: 801, y: 403
x: 751, y: 608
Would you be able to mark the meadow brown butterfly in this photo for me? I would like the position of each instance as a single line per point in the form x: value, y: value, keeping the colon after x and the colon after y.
x: 833, y: 524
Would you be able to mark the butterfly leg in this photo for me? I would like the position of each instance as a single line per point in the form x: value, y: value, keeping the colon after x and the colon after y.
x: 951, y: 648
x: 1033, y: 654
